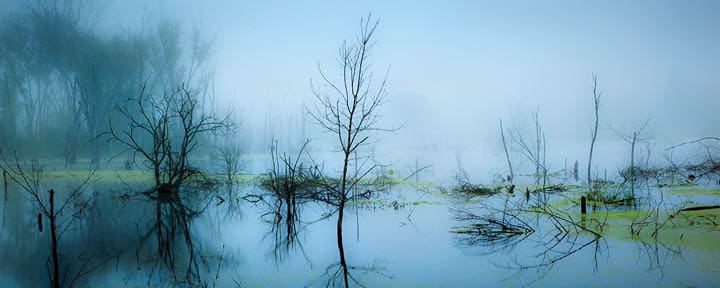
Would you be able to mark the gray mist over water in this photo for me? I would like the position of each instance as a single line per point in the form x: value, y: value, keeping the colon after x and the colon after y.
x: 454, y: 70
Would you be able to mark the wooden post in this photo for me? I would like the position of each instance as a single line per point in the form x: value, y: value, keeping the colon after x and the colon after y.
x: 40, y: 222
x: 527, y: 194
x: 583, y: 205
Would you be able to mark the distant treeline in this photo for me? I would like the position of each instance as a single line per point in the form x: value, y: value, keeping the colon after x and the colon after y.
x: 62, y: 82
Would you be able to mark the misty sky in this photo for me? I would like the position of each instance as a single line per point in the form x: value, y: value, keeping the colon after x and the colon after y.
x: 456, y: 67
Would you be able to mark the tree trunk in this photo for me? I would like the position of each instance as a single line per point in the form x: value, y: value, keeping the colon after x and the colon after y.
x: 341, y: 250
x: 54, y: 246
x: 632, y: 166
x: 537, y: 146
x: 158, y: 225
x: 596, y: 101
x: 507, y: 155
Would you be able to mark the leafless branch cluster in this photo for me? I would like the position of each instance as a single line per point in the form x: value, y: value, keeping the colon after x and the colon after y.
x: 164, y: 131
x: 533, y: 152
x: 61, y: 214
x: 290, y: 184
x: 489, y: 229
x: 493, y: 228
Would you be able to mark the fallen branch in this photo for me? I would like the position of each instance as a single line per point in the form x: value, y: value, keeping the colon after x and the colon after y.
x: 699, y: 208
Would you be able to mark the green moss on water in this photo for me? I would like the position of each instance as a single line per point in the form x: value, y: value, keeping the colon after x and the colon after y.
x: 688, y: 202
x: 441, y: 194
x: 100, y: 176
x: 705, y: 192
x: 121, y: 176
x: 574, y: 187
x: 416, y: 203
x: 675, y: 185
x: 693, y: 229
x: 574, y: 201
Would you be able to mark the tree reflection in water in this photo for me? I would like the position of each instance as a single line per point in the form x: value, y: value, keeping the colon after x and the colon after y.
x: 176, y: 254
x: 287, y: 187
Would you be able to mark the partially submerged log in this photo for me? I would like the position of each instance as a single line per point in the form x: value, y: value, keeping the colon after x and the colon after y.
x: 491, y: 228
x: 699, y: 208
x: 551, y: 188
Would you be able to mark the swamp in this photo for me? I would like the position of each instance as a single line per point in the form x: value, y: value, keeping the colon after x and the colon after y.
x: 359, y: 144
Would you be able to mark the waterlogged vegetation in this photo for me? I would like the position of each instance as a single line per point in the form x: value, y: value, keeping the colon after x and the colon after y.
x: 533, y: 231
x: 138, y: 177
x: 669, y: 231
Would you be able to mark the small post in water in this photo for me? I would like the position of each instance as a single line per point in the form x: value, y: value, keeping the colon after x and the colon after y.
x: 583, y: 205
x: 527, y: 194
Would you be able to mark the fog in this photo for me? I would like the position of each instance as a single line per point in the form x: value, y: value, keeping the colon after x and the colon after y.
x: 108, y: 87
x: 464, y: 64
x: 457, y: 67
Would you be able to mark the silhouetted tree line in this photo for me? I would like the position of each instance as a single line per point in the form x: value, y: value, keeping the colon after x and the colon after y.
x: 61, y: 80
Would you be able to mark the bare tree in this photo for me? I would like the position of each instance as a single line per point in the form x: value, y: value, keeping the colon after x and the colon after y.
x: 289, y: 185
x: 231, y: 157
x: 596, y: 103
x: 348, y: 109
x: 533, y: 152
x: 708, y: 166
x: 507, y: 155
x: 165, y: 131
x: 60, y: 214
x: 637, y: 135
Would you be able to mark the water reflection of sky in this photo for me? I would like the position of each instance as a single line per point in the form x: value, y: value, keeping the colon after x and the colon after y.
x: 410, y: 246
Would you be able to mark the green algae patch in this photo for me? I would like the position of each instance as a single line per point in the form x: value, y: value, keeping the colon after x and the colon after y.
x: 100, y: 176
x: 238, y: 177
x: 124, y: 176
x: 441, y: 193
x: 393, y: 204
x: 675, y: 185
x: 565, y: 203
x: 693, y: 229
x: 574, y: 187
x: 573, y: 200
x: 704, y: 192
x: 398, y: 204
x: 416, y: 203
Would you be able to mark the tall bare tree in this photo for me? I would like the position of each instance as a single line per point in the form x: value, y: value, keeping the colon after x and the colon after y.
x: 637, y: 135
x: 533, y: 152
x: 596, y: 105
x: 507, y: 154
x: 347, y: 108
